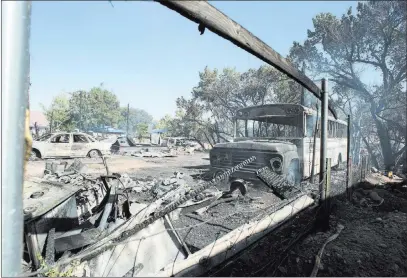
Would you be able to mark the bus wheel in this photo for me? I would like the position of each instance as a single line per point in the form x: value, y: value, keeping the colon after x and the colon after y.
x: 293, y: 175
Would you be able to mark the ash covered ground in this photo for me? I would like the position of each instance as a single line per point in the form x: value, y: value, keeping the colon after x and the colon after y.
x: 372, y: 243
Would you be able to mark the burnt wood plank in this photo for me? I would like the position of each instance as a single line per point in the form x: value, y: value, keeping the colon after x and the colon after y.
x: 76, y: 241
x: 208, y: 16
x: 50, y: 249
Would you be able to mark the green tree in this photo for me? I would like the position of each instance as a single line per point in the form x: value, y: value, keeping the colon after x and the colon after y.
x: 136, y: 116
x: 142, y: 130
x: 95, y: 108
x: 208, y: 115
x: 58, y: 114
x: 344, y: 49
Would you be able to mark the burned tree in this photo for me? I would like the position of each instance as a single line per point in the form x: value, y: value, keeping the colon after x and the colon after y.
x: 343, y: 48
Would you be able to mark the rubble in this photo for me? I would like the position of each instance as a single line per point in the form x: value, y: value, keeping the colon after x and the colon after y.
x: 120, y: 198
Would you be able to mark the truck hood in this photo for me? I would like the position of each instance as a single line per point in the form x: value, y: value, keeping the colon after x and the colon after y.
x: 262, y: 145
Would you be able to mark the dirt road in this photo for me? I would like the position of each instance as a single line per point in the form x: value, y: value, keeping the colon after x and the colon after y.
x: 136, y: 166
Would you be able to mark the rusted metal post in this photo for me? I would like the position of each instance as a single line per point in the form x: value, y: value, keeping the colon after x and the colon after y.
x: 16, y: 20
x: 314, y: 146
x: 324, y: 125
x: 348, y: 157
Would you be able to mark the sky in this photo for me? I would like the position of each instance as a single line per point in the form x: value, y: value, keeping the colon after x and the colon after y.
x: 147, y: 54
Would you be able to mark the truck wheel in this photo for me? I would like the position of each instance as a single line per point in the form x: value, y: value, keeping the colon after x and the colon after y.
x: 293, y: 176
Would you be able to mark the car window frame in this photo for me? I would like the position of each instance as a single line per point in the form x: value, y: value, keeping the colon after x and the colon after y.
x: 60, y: 134
x: 91, y: 139
x: 79, y: 134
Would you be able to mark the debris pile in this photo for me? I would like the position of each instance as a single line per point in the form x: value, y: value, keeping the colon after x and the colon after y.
x: 151, y: 153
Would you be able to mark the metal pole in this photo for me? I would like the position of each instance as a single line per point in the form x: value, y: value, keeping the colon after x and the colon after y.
x: 348, y: 157
x: 328, y: 178
x: 80, y: 110
x: 128, y: 113
x: 314, y: 146
x: 324, y: 125
x: 16, y: 20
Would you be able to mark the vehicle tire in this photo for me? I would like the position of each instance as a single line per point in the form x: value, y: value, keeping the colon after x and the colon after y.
x: 293, y: 176
x: 94, y: 154
x: 35, y: 154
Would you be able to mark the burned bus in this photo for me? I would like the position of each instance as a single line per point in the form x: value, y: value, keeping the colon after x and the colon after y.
x: 281, y: 136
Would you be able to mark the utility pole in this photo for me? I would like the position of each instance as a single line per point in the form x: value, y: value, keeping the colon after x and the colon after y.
x: 303, y: 88
x: 128, y: 113
x: 80, y: 111
x: 324, y: 129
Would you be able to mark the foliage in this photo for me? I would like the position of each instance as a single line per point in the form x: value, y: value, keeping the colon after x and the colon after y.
x: 58, y: 113
x: 49, y: 271
x: 208, y: 115
x: 348, y: 48
x: 165, y: 122
x: 136, y: 116
x: 142, y: 130
x: 96, y: 108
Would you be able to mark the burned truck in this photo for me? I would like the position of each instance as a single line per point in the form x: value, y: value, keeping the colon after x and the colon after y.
x: 281, y: 136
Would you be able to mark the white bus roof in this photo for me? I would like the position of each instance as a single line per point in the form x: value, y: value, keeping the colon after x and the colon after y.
x: 277, y: 110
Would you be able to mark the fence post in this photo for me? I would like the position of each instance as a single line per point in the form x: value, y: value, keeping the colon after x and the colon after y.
x: 349, y: 178
x: 325, y: 202
x: 324, y: 126
x: 348, y: 157
x: 328, y: 178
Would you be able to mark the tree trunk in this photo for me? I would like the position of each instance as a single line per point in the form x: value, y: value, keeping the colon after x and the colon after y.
x: 199, y: 142
x: 385, y: 144
x: 373, y: 157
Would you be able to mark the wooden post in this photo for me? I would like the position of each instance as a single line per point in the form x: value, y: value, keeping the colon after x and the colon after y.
x: 348, y: 157
x: 324, y: 125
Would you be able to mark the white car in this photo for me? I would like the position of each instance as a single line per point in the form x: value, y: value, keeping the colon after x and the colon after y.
x: 64, y: 144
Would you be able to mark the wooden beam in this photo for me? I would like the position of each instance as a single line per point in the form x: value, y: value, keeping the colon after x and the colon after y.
x: 211, y: 18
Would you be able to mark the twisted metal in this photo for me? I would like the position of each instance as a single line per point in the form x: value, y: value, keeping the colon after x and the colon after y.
x: 88, y: 254
x: 182, y: 200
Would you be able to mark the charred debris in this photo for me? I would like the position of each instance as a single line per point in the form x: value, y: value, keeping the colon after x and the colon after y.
x: 77, y: 222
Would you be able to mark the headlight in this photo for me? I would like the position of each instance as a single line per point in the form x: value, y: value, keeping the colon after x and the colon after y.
x: 240, y: 113
x: 276, y: 164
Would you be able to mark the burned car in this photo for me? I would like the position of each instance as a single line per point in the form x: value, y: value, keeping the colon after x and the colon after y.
x: 281, y: 136
x: 64, y: 144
